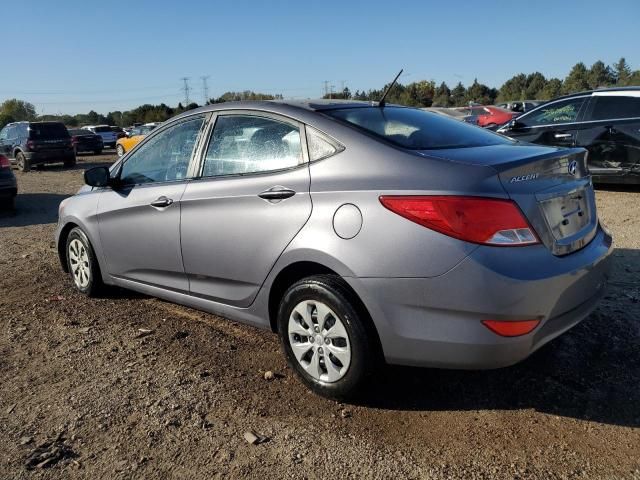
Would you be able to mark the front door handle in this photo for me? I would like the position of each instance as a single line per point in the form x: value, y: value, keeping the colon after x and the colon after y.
x: 161, y: 202
x: 277, y: 193
x: 562, y: 135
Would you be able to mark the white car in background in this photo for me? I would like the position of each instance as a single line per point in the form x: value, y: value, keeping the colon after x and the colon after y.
x: 109, y: 137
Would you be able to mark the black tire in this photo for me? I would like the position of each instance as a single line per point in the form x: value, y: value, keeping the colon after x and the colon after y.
x: 97, y: 152
x: 94, y: 285
x: 24, y: 164
x: 8, y: 204
x: 70, y: 162
x: 334, y: 293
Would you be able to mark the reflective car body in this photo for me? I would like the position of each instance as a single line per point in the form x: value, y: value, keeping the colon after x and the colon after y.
x: 252, y: 196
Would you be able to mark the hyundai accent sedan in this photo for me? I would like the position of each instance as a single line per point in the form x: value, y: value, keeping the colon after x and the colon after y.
x: 360, y: 233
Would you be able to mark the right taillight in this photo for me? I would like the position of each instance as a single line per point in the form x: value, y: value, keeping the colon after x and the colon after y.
x: 30, y: 144
x: 488, y: 221
x: 4, y: 162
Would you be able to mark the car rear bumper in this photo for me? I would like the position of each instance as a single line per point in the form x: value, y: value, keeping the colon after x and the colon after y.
x: 436, y: 321
x: 49, y: 156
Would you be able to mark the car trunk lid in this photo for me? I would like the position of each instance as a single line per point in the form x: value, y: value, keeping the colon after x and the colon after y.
x: 552, y: 187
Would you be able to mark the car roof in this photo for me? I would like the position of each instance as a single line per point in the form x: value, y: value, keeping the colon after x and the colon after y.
x: 604, y: 91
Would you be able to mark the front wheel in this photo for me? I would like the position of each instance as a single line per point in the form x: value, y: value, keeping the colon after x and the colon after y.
x: 324, y: 337
x: 70, y: 162
x: 82, y: 263
x: 120, y: 150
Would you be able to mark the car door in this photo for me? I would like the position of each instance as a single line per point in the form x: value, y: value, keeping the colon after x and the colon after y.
x: 613, y: 133
x: 139, y: 219
x: 554, y: 123
x: 251, y: 200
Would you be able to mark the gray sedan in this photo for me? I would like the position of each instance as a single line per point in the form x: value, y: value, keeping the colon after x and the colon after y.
x: 360, y: 233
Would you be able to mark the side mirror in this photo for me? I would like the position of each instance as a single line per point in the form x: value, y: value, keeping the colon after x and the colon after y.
x: 97, y: 177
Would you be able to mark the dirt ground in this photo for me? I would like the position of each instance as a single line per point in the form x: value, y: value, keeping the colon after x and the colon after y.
x: 84, y: 393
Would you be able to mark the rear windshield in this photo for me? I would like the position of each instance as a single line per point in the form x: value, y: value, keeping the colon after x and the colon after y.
x: 102, y: 129
x: 416, y: 129
x: 47, y: 130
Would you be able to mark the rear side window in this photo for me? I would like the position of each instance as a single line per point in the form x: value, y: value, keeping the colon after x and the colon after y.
x: 319, y: 146
x: 102, y: 129
x: 243, y: 144
x: 613, y: 107
x: 42, y: 131
x: 416, y: 129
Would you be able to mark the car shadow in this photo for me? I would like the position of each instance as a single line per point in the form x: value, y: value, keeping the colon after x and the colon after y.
x: 591, y: 372
x: 32, y: 209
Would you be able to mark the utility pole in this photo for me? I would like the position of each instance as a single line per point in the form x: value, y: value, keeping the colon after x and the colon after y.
x: 186, y: 89
x: 326, y: 87
x: 205, y: 89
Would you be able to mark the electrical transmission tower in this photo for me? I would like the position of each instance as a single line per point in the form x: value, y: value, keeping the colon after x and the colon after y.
x: 326, y: 87
x: 186, y: 89
x: 205, y: 89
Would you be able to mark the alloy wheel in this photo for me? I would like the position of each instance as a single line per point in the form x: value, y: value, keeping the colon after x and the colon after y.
x: 319, y: 341
x: 79, y: 262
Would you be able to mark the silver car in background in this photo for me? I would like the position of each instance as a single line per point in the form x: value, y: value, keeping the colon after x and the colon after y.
x: 360, y: 233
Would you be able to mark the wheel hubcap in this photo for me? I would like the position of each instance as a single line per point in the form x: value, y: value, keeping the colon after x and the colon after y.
x: 319, y: 341
x: 79, y: 262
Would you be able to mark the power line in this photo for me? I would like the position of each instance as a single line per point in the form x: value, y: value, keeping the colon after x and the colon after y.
x: 205, y: 89
x: 186, y: 89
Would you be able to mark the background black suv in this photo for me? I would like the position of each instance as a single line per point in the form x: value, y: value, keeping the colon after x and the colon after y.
x: 33, y: 143
x: 606, y: 122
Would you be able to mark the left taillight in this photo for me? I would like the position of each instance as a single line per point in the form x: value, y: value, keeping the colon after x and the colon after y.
x: 4, y: 162
x: 487, y: 221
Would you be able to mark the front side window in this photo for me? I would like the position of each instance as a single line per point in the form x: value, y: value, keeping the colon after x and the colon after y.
x: 614, y: 107
x: 565, y: 111
x: 243, y: 144
x: 165, y: 157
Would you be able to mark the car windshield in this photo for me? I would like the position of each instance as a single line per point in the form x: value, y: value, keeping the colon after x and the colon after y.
x: 47, y: 130
x: 416, y: 129
x: 102, y: 129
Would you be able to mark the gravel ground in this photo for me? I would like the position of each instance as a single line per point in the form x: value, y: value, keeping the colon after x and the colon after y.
x: 133, y: 387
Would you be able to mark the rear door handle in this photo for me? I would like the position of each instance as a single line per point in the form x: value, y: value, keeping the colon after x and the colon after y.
x: 277, y: 193
x: 562, y: 135
x: 161, y: 202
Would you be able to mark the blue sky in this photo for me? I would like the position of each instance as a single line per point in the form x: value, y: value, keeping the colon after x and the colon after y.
x: 71, y: 56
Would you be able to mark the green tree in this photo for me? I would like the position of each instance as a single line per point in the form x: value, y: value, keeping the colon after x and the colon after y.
x: 458, y: 95
x: 480, y: 93
x: 442, y: 96
x: 621, y: 72
x: 513, y: 89
x: 535, y: 85
x: 600, y: 75
x: 5, y: 118
x: 19, y: 110
x: 577, y: 80
x: 552, y: 89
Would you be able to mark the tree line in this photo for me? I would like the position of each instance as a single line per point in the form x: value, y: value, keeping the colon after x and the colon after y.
x: 423, y: 93
x: 533, y: 86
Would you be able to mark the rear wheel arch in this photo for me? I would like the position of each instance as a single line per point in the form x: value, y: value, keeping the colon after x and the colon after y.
x: 297, y: 271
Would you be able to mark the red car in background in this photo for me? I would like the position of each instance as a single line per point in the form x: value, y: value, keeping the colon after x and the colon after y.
x: 488, y: 116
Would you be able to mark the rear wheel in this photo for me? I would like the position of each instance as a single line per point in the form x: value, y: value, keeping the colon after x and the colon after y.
x: 70, y: 162
x: 24, y: 164
x: 97, y: 152
x: 8, y: 204
x: 82, y: 264
x: 120, y: 150
x: 324, y: 337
